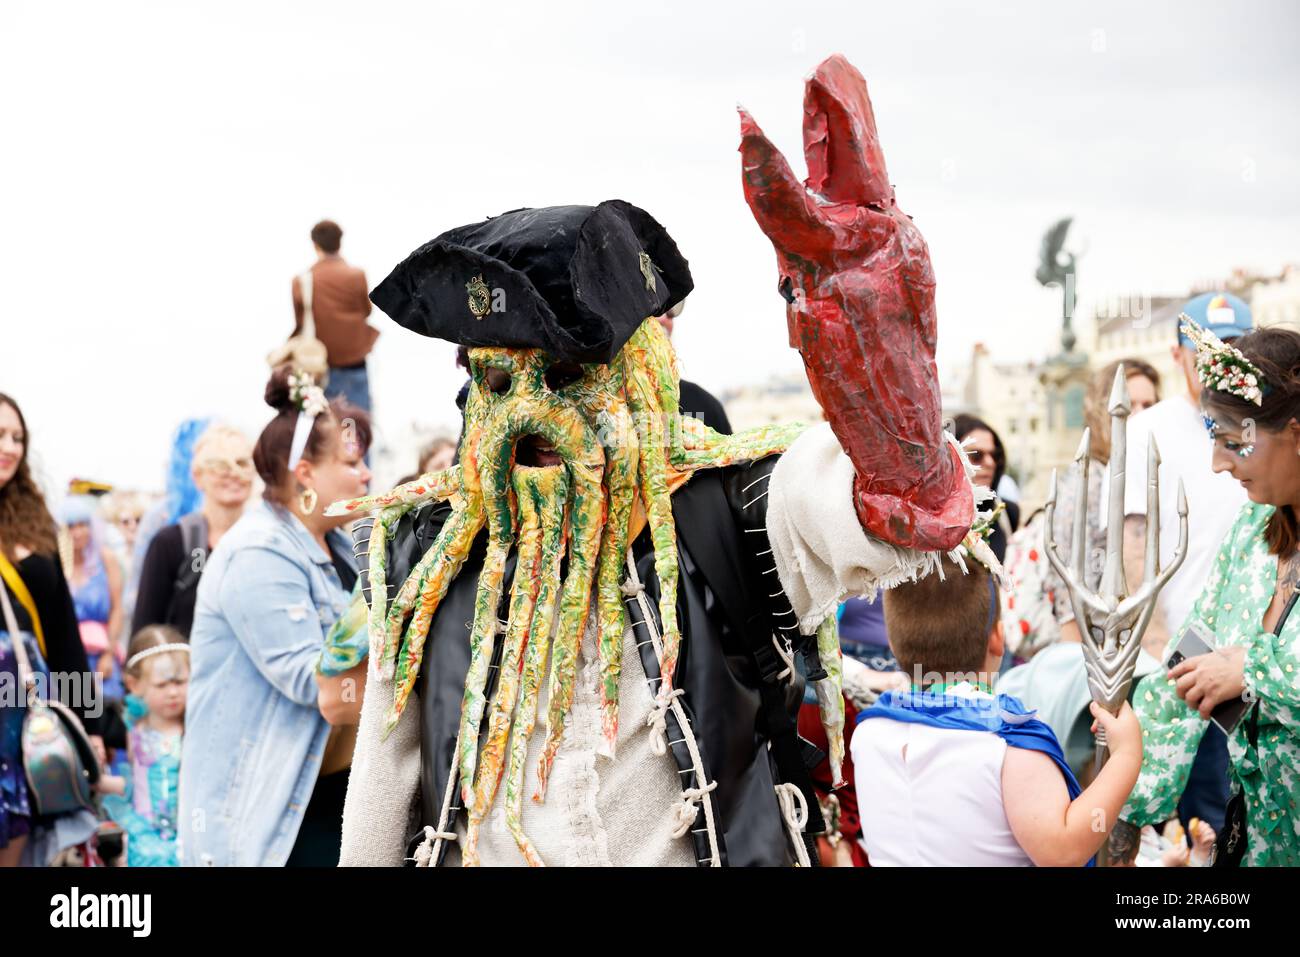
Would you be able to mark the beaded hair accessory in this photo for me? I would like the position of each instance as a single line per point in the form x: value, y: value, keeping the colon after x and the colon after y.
x: 1222, y: 367
x: 1243, y: 451
x: 311, y: 402
x: 156, y: 650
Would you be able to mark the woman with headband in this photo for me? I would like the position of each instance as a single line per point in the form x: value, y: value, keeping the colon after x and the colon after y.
x: 251, y: 789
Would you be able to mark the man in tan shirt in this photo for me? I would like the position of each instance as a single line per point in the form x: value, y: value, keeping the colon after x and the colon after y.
x: 340, y: 305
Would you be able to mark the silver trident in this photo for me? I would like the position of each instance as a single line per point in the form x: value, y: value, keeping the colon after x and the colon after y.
x: 1111, y: 622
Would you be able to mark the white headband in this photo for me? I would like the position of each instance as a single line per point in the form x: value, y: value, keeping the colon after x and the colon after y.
x: 156, y: 650
x: 301, y: 431
x: 311, y: 402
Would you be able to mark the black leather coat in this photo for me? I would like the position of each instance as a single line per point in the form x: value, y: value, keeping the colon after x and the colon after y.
x: 730, y: 604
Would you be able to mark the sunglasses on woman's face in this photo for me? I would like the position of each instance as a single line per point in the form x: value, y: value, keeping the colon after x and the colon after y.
x: 129, y: 520
x: 223, y: 466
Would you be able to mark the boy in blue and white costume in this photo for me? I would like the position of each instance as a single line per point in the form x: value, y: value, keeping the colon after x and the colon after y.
x: 949, y: 774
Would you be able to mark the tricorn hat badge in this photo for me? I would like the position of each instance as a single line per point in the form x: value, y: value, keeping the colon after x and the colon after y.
x: 480, y: 298
x: 647, y: 270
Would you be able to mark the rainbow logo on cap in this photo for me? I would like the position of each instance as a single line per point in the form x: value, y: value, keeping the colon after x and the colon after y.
x: 1219, y: 312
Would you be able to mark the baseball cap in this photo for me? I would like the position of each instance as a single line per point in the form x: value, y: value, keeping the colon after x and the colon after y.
x: 1221, y: 313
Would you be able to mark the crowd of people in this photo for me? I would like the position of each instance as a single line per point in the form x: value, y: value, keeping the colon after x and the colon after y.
x: 251, y: 687
x: 245, y: 634
x: 261, y: 683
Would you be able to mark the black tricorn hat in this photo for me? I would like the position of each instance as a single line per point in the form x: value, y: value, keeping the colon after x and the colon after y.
x: 576, y: 281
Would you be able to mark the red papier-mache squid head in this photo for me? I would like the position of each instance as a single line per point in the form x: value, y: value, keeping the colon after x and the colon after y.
x: 856, y: 275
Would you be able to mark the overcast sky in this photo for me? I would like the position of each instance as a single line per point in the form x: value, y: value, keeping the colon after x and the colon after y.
x: 163, y: 163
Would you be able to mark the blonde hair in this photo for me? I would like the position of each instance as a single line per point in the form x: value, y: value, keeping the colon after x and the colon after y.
x: 216, y: 432
x: 117, y: 505
x: 153, y: 636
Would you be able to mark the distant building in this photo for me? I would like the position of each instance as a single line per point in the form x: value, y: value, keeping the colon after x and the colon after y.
x: 1276, y: 301
x: 1140, y: 327
x: 780, y: 399
x: 1011, y: 398
x: 1037, y: 407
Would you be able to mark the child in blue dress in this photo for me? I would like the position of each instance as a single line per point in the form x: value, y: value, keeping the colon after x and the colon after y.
x: 144, y: 803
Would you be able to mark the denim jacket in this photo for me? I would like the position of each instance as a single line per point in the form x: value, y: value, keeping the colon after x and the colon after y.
x: 254, y: 735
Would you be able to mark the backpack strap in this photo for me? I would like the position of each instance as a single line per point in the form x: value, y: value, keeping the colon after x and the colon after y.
x: 194, y: 544
x: 19, y: 588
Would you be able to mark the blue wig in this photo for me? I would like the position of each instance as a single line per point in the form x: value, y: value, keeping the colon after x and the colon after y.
x: 182, y: 495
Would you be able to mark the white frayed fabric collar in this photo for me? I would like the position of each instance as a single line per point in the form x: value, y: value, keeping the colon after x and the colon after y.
x: 821, y: 553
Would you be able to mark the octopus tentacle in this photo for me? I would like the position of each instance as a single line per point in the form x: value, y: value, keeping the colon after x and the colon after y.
x: 465, y: 492
x: 581, y: 450
x: 426, y: 585
x: 601, y: 400
x: 522, y: 598
x: 382, y: 651
x: 705, y: 448
x: 430, y: 487
x: 496, y: 455
x: 551, y: 508
x: 533, y: 412
x: 444, y: 560
x: 650, y: 356
x: 585, y: 522
x: 609, y: 576
x: 830, y: 695
x: 644, y: 401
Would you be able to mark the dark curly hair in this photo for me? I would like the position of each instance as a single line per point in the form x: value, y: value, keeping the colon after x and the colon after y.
x: 24, y: 518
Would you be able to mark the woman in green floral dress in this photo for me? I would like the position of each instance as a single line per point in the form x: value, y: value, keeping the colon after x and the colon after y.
x: 1252, y: 409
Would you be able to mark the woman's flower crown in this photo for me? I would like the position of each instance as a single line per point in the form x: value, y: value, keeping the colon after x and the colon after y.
x: 1222, y: 367
x: 306, y: 395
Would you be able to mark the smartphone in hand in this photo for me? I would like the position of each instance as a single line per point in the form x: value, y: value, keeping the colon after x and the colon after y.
x: 1198, y: 640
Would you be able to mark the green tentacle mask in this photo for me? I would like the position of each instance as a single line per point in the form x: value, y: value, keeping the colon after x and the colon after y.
x: 622, y: 450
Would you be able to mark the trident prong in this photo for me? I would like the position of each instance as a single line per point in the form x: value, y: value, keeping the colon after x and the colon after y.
x: 1079, y: 547
x: 1152, y: 565
x: 1110, y: 621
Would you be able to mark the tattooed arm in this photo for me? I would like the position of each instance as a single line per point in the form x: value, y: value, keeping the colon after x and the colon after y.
x: 1122, y: 846
x: 1288, y: 583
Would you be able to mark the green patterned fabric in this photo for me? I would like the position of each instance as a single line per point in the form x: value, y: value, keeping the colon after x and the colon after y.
x: 1232, y: 604
x: 348, y: 641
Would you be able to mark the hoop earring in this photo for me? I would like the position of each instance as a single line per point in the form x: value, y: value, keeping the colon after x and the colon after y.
x: 307, y: 501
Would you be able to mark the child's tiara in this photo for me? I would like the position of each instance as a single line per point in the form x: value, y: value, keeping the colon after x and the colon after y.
x: 140, y: 656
